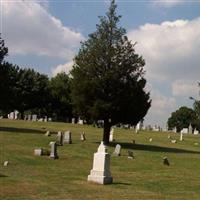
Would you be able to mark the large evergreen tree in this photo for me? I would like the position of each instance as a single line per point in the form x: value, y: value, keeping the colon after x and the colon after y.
x: 107, y: 77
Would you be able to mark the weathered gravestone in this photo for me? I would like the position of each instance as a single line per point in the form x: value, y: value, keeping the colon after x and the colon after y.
x: 100, y: 172
x: 53, y: 153
x: 67, y: 137
x: 34, y: 118
x: 165, y: 161
x: 184, y: 130
x: 5, y: 164
x: 173, y: 141
x: 82, y: 136
x: 117, y: 151
x: 181, y: 136
x: 130, y: 155
x: 111, y: 137
x: 150, y: 139
x: 59, y: 139
x: 29, y: 117
x: 190, y: 129
x: 38, y: 152
x: 196, y: 132
x: 48, y: 133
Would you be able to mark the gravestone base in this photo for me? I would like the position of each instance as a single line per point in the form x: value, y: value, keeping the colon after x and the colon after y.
x: 94, y: 177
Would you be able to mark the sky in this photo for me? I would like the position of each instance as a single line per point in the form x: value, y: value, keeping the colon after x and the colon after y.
x: 46, y: 35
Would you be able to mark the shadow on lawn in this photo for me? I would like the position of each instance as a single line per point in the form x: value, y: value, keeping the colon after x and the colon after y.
x: 21, y: 130
x: 2, y: 175
x: 146, y: 147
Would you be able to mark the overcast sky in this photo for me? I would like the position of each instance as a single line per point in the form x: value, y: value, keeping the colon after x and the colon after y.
x: 45, y: 35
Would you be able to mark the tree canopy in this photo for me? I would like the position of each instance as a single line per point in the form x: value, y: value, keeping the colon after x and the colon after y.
x: 182, y: 118
x: 108, y: 76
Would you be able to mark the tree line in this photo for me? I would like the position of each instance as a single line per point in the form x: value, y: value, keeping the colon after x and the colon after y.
x: 31, y: 92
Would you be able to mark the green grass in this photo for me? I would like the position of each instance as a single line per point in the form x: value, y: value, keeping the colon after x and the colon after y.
x: 29, y: 177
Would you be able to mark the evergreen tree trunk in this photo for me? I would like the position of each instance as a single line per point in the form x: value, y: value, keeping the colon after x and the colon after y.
x: 106, y: 132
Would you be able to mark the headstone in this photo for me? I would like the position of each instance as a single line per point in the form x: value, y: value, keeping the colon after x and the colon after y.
x: 40, y: 120
x: 169, y: 136
x: 16, y: 114
x: 80, y: 121
x: 11, y: 115
x: 196, y: 132
x: 173, y: 141
x: 100, y: 172
x: 130, y: 155
x: 73, y: 120
x: 34, y: 118
x: 150, y: 139
x: 49, y: 119
x: 190, y: 129
x: 53, y: 153
x: 45, y: 119
x: 184, y: 130
x: 138, y: 127
x: 38, y: 152
x: 48, y: 133
x: 117, y: 151
x: 29, y: 117
x: 59, y: 140
x: 174, y: 129
x: 111, y: 137
x: 67, y: 137
x: 165, y: 161
x: 181, y: 136
x: 83, y: 137
x: 5, y: 164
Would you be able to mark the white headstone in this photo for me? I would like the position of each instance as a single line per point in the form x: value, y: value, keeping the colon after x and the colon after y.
x: 67, y: 137
x: 184, y: 130
x: 111, y: 137
x: 117, y: 151
x: 196, y: 132
x: 53, y: 153
x: 5, y: 164
x: 34, y: 118
x: 100, y: 172
x: 59, y: 137
x: 190, y: 129
x: 38, y: 152
x: 181, y: 136
x: 83, y: 137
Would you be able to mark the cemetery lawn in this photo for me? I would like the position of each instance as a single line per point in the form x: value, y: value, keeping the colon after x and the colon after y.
x: 29, y: 177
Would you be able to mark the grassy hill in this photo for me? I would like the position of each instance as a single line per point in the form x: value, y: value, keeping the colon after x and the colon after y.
x: 29, y: 177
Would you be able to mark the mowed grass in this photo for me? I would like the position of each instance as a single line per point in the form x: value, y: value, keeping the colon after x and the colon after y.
x: 30, y: 177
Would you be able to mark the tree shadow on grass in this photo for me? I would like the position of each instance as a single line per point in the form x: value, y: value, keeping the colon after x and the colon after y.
x: 120, y: 183
x: 153, y: 148
x: 21, y: 130
x: 2, y: 175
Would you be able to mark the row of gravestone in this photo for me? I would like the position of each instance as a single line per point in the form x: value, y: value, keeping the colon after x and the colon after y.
x: 61, y: 139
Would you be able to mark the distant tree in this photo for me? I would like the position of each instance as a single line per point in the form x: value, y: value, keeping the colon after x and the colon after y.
x: 31, y: 91
x: 8, y: 75
x: 3, y: 50
x: 196, y: 107
x: 107, y: 77
x: 60, y: 97
x: 182, y: 118
x: 8, y: 79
